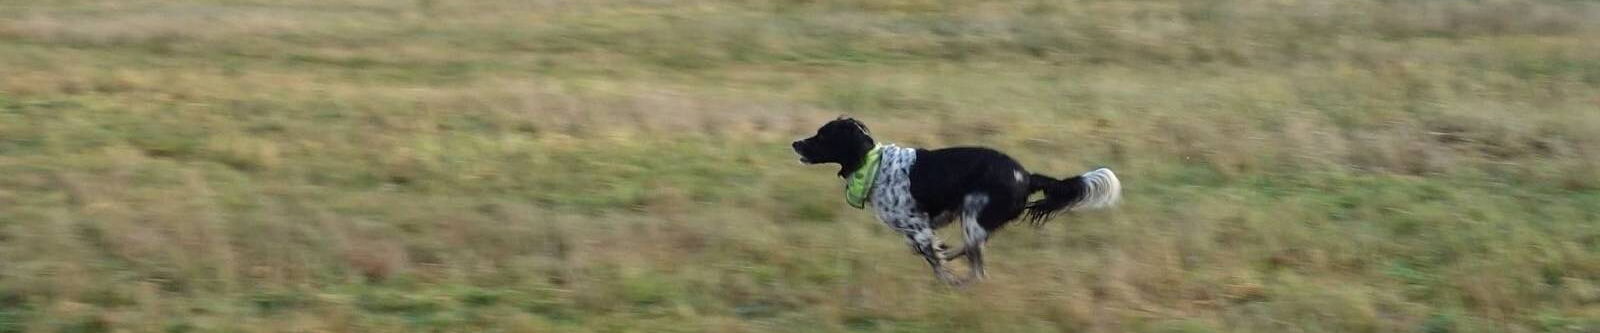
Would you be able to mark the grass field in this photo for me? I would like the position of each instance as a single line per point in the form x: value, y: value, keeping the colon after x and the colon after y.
x: 623, y: 165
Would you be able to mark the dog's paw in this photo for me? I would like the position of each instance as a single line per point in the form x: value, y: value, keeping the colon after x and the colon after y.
x: 949, y: 277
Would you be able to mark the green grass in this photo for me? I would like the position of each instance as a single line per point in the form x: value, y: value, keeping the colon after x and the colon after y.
x: 622, y: 166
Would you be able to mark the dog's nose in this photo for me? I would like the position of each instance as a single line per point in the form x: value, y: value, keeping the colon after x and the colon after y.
x: 796, y: 145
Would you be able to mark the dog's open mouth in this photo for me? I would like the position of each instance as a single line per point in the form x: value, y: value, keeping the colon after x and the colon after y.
x: 802, y: 155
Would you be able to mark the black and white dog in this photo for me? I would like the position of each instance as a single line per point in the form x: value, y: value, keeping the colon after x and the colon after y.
x: 915, y: 191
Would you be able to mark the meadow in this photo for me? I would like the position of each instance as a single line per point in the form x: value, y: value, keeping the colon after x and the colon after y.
x: 623, y: 165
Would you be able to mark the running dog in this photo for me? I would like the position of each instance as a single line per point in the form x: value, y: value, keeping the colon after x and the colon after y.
x: 915, y: 191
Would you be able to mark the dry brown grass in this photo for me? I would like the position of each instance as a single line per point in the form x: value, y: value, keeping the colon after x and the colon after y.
x: 1292, y: 166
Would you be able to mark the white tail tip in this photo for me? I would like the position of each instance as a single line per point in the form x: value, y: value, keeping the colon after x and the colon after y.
x: 1104, y: 190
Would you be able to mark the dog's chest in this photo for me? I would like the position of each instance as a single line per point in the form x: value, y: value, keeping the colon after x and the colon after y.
x: 891, y: 190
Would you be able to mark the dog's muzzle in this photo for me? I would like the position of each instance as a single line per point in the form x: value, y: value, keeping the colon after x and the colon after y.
x: 799, y: 149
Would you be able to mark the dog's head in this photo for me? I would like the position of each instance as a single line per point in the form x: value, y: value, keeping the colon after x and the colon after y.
x: 844, y: 141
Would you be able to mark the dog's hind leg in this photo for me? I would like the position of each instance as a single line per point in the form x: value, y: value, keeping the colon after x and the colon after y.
x: 975, y: 235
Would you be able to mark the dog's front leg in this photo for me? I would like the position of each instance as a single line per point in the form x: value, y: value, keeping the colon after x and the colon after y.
x: 925, y: 243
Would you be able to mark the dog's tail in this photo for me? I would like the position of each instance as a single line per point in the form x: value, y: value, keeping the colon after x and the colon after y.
x: 1094, y: 189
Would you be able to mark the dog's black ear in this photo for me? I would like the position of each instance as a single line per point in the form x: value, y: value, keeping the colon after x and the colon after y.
x: 862, y: 126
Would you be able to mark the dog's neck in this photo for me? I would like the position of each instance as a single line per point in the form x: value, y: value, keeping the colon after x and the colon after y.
x: 854, y: 162
x: 847, y: 168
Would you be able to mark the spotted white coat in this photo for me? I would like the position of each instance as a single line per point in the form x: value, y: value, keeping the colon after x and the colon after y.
x: 892, y: 202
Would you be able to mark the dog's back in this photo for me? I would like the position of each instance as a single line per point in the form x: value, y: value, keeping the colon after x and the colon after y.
x: 942, y: 179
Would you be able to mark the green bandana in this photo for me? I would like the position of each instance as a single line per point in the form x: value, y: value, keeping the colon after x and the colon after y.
x: 859, y: 185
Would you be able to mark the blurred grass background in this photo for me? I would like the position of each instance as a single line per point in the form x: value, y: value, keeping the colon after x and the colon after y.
x: 622, y: 165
